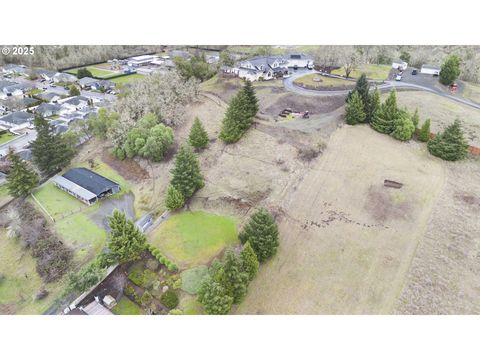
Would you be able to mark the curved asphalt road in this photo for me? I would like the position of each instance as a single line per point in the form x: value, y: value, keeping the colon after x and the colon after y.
x: 290, y: 86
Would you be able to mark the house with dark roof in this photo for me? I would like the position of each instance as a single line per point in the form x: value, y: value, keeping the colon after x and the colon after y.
x: 47, y: 110
x: 45, y: 74
x: 86, y: 82
x: 86, y: 185
x: 17, y: 119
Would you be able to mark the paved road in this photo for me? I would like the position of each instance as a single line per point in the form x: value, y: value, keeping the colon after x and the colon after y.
x: 290, y: 86
x: 19, y: 143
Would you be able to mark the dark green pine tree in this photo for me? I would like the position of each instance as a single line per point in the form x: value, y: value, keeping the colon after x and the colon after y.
x: 373, y: 105
x: 363, y: 88
x: 249, y: 259
x: 126, y: 241
x: 424, y: 133
x: 21, y: 179
x: 251, y: 101
x: 214, y: 297
x: 50, y: 151
x: 450, y: 144
x: 415, y: 118
x: 235, y: 279
x: 355, y: 110
x: 232, y: 129
x: 186, y: 176
x: 198, y: 136
x: 385, y: 118
x: 174, y: 199
x: 261, y: 232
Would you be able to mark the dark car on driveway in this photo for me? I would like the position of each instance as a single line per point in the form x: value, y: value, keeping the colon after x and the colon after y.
x: 414, y: 72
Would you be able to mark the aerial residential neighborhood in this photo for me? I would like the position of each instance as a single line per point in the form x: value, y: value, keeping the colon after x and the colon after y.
x: 220, y: 180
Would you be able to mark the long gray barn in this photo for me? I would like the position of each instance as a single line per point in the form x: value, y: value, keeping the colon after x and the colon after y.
x: 86, y: 185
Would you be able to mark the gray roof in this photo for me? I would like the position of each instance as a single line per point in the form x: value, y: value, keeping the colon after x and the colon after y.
x: 44, y: 108
x: 49, y: 73
x: 15, y: 68
x: 64, y: 77
x: 6, y: 83
x: 73, y: 187
x: 48, y: 95
x: 76, y: 100
x: 18, y: 117
x: 87, y: 80
x: 297, y: 56
x: 429, y: 66
x: 89, y: 180
x: 28, y: 101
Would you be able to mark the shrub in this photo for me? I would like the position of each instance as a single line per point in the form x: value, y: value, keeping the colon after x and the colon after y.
x: 129, y: 291
x: 146, y: 298
x: 175, y: 312
x: 136, y: 276
x: 424, y: 132
x: 85, y: 278
x: 171, y: 266
x: 174, y: 282
x: 404, y: 128
x: 450, y: 144
x: 169, y: 299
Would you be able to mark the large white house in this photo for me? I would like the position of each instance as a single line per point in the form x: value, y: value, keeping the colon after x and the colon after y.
x: 262, y: 68
x: 141, y: 60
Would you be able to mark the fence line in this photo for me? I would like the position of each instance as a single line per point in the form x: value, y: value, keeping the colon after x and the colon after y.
x: 41, y: 207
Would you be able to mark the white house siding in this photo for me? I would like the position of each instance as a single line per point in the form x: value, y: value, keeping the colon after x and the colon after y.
x: 430, y: 71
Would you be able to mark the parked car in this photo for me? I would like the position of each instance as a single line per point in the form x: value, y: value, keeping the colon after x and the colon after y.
x: 66, y: 88
x: 414, y: 72
x: 53, y: 85
x: 398, y: 77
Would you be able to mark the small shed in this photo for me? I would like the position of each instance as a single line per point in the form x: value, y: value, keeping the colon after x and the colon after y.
x: 399, y: 64
x: 430, y: 69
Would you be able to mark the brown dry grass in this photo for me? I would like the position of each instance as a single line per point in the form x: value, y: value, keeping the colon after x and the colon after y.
x: 336, y: 256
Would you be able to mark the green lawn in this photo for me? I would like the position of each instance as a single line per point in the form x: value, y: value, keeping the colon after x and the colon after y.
x: 192, y: 278
x: 373, y: 71
x: 194, y: 238
x: 21, y: 281
x: 127, y: 307
x: 326, y: 82
x: 34, y: 92
x: 127, y: 79
x: 95, y: 72
x: 6, y: 137
x: 471, y: 91
x: 72, y: 217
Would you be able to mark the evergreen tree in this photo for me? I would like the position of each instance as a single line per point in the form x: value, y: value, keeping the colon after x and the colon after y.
x: 83, y: 72
x: 126, y: 241
x: 251, y: 101
x: 362, y: 87
x: 450, y: 70
x: 74, y: 91
x: 355, y: 110
x: 449, y: 145
x: 415, y: 118
x: 174, y: 199
x: 373, y: 105
x: 239, y: 115
x: 404, y: 127
x: 235, y: 279
x: 249, y: 259
x: 214, y: 297
x: 198, y: 136
x: 385, y: 118
x: 50, y: 151
x: 262, y: 233
x: 186, y: 176
x: 21, y: 179
x: 424, y: 133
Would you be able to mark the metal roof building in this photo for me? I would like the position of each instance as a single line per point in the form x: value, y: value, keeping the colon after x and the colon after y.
x: 86, y: 185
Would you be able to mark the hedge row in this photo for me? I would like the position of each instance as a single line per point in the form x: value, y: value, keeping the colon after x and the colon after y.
x: 162, y: 259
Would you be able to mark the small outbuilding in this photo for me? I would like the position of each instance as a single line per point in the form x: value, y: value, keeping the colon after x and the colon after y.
x: 430, y: 69
x: 399, y: 64
x: 86, y: 185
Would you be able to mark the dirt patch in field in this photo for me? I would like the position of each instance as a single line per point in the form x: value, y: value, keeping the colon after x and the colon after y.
x: 128, y: 168
x: 385, y: 204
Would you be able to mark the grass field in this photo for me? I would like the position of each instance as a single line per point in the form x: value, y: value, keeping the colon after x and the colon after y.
x: 326, y: 82
x: 192, y: 278
x: 442, y: 112
x: 346, y: 241
x: 373, y: 71
x: 105, y: 74
x: 127, y: 79
x: 471, y: 91
x: 127, y: 307
x: 6, y: 137
x: 194, y: 238
x: 21, y: 281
